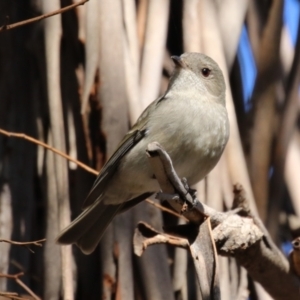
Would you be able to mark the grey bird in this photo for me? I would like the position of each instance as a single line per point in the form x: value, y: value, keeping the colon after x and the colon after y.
x: 189, y: 121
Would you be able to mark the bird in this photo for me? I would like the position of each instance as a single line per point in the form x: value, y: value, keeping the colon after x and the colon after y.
x: 189, y: 121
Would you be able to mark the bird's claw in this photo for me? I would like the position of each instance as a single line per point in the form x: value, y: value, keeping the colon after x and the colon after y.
x: 192, y: 192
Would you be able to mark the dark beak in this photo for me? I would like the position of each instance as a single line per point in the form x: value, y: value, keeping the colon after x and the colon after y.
x: 177, y: 60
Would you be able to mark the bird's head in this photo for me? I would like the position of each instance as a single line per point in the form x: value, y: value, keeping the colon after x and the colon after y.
x: 200, y: 71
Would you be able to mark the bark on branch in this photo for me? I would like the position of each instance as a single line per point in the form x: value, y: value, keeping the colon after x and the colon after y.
x: 236, y: 233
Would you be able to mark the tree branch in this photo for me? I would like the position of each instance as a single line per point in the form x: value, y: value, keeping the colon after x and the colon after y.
x: 236, y: 233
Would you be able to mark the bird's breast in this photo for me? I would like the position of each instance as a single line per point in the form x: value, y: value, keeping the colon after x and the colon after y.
x: 193, y: 135
x: 196, y: 140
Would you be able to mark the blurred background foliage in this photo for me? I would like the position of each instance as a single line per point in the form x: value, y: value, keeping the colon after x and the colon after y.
x: 77, y: 81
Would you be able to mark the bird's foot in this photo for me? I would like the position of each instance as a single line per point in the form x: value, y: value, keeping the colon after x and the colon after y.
x: 192, y: 192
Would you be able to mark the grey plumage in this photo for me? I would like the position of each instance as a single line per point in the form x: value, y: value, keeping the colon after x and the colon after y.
x: 190, y: 121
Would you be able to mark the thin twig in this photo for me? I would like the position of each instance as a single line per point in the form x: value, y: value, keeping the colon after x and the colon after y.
x: 26, y: 244
x: 27, y: 289
x: 41, y: 17
x: 21, y: 283
x: 163, y: 208
x: 35, y: 243
x: 145, y: 236
x: 35, y: 141
x: 11, y: 276
x: 12, y: 295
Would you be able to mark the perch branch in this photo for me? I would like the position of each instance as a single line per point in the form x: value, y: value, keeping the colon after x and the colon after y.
x: 193, y: 210
x: 183, y: 201
x: 236, y: 233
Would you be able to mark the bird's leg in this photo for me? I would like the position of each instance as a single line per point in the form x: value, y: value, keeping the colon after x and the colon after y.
x: 192, y: 192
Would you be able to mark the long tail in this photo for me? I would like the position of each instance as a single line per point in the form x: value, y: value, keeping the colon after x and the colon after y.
x: 88, y: 228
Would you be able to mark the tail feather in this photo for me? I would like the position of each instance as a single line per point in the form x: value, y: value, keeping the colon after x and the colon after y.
x: 88, y: 228
x: 89, y: 241
x: 95, y: 218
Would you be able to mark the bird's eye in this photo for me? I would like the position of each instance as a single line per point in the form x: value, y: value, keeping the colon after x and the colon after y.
x: 205, y: 72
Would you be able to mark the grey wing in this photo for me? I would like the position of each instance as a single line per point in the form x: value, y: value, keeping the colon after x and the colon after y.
x: 148, y: 111
x: 129, y: 141
x: 87, y: 229
x: 136, y: 134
